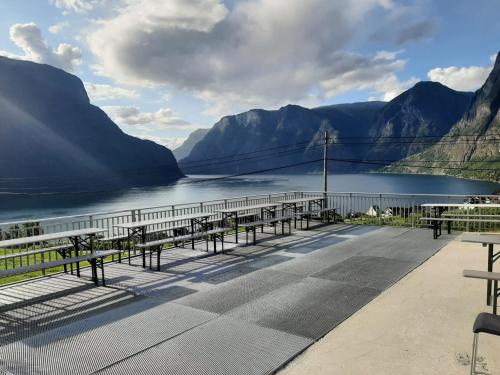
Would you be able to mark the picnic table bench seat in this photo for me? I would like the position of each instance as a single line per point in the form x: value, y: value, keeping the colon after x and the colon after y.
x: 252, y: 226
x: 35, y: 251
x: 157, y: 245
x: 437, y: 221
x: 91, y: 258
x: 489, y: 276
x: 308, y: 215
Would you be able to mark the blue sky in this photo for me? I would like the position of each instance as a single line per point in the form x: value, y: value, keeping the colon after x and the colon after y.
x: 161, y: 68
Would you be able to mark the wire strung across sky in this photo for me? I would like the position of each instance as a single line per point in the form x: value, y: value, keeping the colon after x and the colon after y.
x: 295, y: 147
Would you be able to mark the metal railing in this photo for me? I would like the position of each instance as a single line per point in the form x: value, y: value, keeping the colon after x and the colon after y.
x: 355, y: 208
x: 373, y: 208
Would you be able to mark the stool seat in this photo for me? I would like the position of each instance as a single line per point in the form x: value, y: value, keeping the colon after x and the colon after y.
x: 487, y: 323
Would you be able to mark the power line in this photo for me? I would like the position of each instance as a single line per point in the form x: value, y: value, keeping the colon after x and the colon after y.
x: 397, y: 164
x: 252, y: 172
x: 375, y: 138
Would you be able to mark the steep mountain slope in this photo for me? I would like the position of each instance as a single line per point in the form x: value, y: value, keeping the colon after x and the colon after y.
x: 472, y: 144
x: 53, y: 139
x: 426, y: 109
x: 289, y: 135
x: 185, y: 149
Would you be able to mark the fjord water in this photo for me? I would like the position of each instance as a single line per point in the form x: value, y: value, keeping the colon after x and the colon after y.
x: 194, y: 189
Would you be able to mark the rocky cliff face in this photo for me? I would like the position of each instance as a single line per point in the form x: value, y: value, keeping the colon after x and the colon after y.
x: 185, y: 149
x: 53, y: 139
x: 408, y: 123
x: 471, y: 147
x: 426, y: 109
x: 267, y: 139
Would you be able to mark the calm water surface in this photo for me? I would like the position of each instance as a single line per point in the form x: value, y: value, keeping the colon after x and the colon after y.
x: 18, y: 207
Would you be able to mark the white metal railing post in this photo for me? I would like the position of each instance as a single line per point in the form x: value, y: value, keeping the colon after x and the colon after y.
x: 350, y: 206
x: 133, y: 215
x: 380, y: 209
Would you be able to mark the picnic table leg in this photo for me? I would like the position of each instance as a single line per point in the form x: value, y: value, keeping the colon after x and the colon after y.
x: 129, y: 246
x: 143, y: 240
x: 295, y: 215
x: 192, y: 233
x: 236, y: 226
x: 158, y: 254
x: 93, y: 266
x: 102, y: 272
x: 490, y: 269
x: 262, y: 218
x: 495, y: 297
x: 77, y: 248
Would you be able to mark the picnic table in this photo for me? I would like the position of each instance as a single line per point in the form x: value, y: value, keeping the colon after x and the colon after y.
x: 291, y: 204
x: 488, y: 240
x: 81, y: 239
x: 139, y: 228
x: 229, y: 213
x: 439, y: 208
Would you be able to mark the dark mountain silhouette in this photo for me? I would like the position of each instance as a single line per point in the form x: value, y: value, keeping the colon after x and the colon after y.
x: 53, y: 139
x: 472, y: 143
x: 426, y: 109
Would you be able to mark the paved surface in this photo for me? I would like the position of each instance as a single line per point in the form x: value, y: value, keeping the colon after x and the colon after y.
x: 422, y: 325
x: 248, y: 311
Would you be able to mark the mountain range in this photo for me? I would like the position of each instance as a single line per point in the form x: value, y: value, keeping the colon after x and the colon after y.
x: 52, y: 139
x: 260, y: 139
x: 471, y: 148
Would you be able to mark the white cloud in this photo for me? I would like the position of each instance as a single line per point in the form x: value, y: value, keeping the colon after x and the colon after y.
x: 130, y: 116
x: 261, y: 53
x: 377, y: 75
x: 29, y: 38
x: 56, y: 28
x: 102, y: 92
x: 74, y: 5
x: 461, y: 78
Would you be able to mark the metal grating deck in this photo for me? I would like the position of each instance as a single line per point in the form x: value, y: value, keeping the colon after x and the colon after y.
x: 310, y: 308
x: 91, y: 344
x: 219, y: 347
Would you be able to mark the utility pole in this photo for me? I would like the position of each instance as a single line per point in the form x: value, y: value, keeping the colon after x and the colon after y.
x: 325, y: 171
x: 325, y: 165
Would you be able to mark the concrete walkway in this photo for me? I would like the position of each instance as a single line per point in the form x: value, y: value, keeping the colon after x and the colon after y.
x: 422, y: 325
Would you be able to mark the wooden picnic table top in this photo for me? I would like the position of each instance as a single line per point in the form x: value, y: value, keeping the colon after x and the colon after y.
x: 51, y: 236
x: 247, y: 208
x: 163, y: 220
x: 298, y: 200
x: 491, y: 239
x: 463, y: 205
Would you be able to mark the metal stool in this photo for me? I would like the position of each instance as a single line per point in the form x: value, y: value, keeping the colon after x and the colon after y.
x: 484, y: 323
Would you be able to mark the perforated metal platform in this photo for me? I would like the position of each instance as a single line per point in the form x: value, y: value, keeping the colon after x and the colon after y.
x: 219, y: 347
x: 368, y: 271
x: 239, y: 291
x: 243, y: 312
x: 310, y: 308
x: 91, y: 344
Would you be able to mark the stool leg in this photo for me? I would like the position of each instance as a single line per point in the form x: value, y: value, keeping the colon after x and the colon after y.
x: 474, y: 355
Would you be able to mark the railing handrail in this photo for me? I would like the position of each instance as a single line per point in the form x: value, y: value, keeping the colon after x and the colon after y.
x: 86, y: 215
x: 223, y: 200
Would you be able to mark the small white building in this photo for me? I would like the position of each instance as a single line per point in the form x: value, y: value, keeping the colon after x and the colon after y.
x: 373, y: 211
